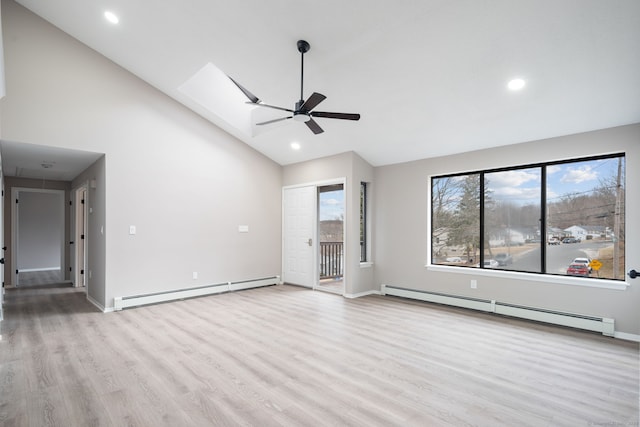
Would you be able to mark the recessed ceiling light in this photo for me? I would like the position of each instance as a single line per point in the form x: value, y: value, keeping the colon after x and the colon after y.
x: 295, y: 146
x: 516, y: 84
x: 111, y: 17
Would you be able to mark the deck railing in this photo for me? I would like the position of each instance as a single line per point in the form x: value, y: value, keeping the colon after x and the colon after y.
x: 331, y: 259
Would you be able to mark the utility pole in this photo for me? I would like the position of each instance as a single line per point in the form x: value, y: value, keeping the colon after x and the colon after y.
x: 616, y: 222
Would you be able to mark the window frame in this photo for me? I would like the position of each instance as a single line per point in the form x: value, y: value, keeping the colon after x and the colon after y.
x: 543, y: 276
x: 364, y: 248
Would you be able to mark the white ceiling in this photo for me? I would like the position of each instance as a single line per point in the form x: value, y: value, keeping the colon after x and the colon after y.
x: 428, y: 76
x: 41, y: 162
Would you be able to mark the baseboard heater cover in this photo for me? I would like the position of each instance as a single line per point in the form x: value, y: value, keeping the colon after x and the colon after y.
x: 603, y: 325
x: 218, y: 288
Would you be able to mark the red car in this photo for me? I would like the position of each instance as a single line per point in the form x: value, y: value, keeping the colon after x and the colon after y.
x: 578, y: 270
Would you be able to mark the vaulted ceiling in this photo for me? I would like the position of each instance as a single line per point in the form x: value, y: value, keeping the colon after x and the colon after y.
x: 429, y: 77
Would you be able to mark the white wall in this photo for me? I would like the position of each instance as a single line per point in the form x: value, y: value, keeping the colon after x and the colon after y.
x: 402, y: 238
x: 183, y: 182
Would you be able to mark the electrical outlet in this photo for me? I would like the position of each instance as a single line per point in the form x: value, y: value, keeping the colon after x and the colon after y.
x: 474, y: 284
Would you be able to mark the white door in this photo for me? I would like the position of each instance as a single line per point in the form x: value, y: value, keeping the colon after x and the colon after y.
x: 299, y: 211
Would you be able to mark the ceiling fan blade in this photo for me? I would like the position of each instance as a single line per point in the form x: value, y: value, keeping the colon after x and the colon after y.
x: 254, y: 99
x: 314, y: 126
x: 315, y: 99
x: 343, y: 116
x: 260, y: 104
x: 273, y: 121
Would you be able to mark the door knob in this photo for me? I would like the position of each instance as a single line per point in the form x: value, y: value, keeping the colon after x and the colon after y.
x: 1, y: 260
x: 310, y: 241
x: 633, y: 274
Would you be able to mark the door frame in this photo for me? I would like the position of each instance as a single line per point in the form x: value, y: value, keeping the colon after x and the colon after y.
x: 3, y: 251
x: 79, y: 228
x: 14, y: 229
x: 316, y: 218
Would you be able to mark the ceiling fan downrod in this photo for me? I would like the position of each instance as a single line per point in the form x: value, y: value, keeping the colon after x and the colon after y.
x: 303, y: 47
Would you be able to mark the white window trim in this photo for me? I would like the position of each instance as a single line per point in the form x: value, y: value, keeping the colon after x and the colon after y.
x: 533, y: 277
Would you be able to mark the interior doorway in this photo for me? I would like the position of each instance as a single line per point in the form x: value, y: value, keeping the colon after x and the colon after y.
x: 2, y: 241
x: 38, y: 242
x: 331, y: 214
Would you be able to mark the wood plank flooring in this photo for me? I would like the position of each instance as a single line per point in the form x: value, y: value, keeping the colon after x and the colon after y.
x: 288, y: 356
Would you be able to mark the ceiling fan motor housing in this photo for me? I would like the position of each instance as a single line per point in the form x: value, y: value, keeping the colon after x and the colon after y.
x: 299, y: 114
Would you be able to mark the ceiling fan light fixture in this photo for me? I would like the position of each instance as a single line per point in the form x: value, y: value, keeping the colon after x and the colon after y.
x: 301, y: 117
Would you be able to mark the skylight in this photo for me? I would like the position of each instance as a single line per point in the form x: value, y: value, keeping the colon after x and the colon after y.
x: 214, y: 90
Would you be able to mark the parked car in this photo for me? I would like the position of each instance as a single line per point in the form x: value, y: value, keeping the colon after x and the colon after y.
x: 455, y: 259
x: 503, y: 259
x: 583, y: 260
x: 554, y: 241
x: 570, y: 240
x: 488, y: 263
x: 578, y: 269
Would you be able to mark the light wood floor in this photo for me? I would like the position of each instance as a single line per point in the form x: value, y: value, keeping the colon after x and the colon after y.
x: 290, y: 356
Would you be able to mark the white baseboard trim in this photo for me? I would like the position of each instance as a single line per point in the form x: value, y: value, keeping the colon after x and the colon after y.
x: 120, y: 303
x: 31, y: 270
x: 362, y: 294
x: 606, y: 326
x: 626, y: 336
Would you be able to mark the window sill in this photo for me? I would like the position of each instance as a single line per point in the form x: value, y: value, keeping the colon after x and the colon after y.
x: 366, y: 264
x: 546, y: 278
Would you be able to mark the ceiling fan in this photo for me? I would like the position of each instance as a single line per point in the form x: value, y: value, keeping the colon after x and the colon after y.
x: 303, y: 110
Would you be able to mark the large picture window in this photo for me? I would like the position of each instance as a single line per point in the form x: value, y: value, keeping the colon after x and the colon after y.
x: 562, y: 218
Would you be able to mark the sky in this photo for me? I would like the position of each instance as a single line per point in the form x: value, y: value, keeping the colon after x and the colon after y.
x: 523, y: 186
x: 331, y: 205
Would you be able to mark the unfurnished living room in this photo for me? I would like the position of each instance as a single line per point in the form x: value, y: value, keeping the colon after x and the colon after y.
x: 363, y: 213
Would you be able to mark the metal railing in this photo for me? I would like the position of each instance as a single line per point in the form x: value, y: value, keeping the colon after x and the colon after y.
x: 331, y: 259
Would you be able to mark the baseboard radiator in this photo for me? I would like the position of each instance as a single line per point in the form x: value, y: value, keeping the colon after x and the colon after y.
x: 158, y: 297
x: 590, y: 323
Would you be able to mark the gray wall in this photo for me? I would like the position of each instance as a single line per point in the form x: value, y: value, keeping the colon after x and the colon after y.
x: 402, y: 239
x: 95, y: 241
x: 2, y: 85
x: 183, y: 182
x: 40, y: 230
x: 358, y: 279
